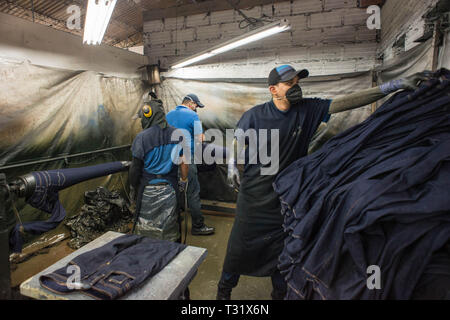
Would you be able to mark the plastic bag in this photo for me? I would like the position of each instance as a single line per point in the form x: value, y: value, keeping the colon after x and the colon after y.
x: 158, y: 217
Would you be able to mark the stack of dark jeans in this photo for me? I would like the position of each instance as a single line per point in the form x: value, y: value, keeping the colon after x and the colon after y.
x: 377, y: 195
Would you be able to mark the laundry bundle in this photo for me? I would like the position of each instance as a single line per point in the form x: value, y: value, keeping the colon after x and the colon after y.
x: 374, y: 201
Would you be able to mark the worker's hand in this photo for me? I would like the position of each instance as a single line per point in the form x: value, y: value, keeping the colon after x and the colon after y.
x: 233, y: 176
x: 412, y: 82
x: 182, y: 185
x: 408, y: 83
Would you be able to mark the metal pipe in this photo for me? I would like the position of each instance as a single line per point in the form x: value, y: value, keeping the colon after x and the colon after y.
x: 5, y: 272
x: 32, y: 8
x: 62, y: 157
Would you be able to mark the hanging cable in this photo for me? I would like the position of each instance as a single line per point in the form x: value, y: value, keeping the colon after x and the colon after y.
x: 250, y: 21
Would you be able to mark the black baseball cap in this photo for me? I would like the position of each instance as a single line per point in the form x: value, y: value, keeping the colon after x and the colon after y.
x: 194, y: 98
x: 285, y: 73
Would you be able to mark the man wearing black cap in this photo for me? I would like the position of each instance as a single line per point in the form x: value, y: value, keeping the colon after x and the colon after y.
x: 257, y: 236
x: 185, y: 117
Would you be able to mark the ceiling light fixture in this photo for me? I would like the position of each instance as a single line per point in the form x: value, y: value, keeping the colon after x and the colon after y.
x: 97, y: 19
x: 257, y: 34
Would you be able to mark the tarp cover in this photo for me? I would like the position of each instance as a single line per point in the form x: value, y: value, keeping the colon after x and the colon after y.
x: 46, y: 112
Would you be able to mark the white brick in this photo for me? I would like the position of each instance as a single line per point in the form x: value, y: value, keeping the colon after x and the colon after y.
x: 153, y: 26
x: 156, y: 38
x: 307, y: 38
x: 326, y: 52
x: 283, y: 39
x: 298, y: 23
x: 360, y: 50
x: 326, y: 19
x: 162, y: 50
x: 225, y: 16
x: 231, y: 30
x: 337, y: 67
x: 365, y: 34
x: 193, y: 47
x: 306, y: 6
x: 209, y: 32
x: 298, y: 55
x: 183, y: 35
x: 254, y: 12
x: 340, y: 34
x: 339, y: 4
x: 282, y: 9
x: 315, y: 68
x: 173, y: 23
x: 234, y: 56
x: 261, y: 56
x: 355, y: 16
x: 197, y: 20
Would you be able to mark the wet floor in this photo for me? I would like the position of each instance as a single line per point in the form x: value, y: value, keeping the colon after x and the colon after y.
x: 202, y: 287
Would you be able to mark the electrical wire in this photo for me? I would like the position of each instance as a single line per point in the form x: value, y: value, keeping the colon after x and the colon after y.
x: 250, y: 21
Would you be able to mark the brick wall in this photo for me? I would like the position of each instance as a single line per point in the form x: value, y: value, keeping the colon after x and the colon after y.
x: 327, y: 37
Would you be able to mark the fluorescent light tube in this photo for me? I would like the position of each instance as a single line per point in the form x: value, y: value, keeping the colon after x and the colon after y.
x: 247, y: 38
x: 97, y: 19
x: 193, y: 60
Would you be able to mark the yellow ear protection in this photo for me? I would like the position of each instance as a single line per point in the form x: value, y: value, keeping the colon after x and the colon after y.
x: 147, y: 111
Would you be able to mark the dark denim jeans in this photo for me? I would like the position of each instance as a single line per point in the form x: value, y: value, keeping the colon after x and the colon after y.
x: 374, y: 195
x: 193, y: 197
x: 115, y: 268
x: 228, y: 281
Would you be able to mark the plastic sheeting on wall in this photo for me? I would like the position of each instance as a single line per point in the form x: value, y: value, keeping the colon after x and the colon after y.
x: 225, y: 102
x: 46, y: 112
x: 418, y: 59
x: 444, y: 54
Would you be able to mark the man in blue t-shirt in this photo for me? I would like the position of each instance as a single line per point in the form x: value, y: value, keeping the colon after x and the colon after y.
x: 185, y: 117
x: 154, y: 173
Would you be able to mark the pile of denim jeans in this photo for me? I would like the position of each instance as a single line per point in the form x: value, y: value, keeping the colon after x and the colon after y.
x: 368, y: 215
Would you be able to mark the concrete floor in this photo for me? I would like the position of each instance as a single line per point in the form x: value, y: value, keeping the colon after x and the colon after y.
x: 204, y: 285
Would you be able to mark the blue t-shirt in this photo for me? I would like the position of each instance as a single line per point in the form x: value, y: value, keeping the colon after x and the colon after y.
x: 159, y: 152
x: 184, y: 118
